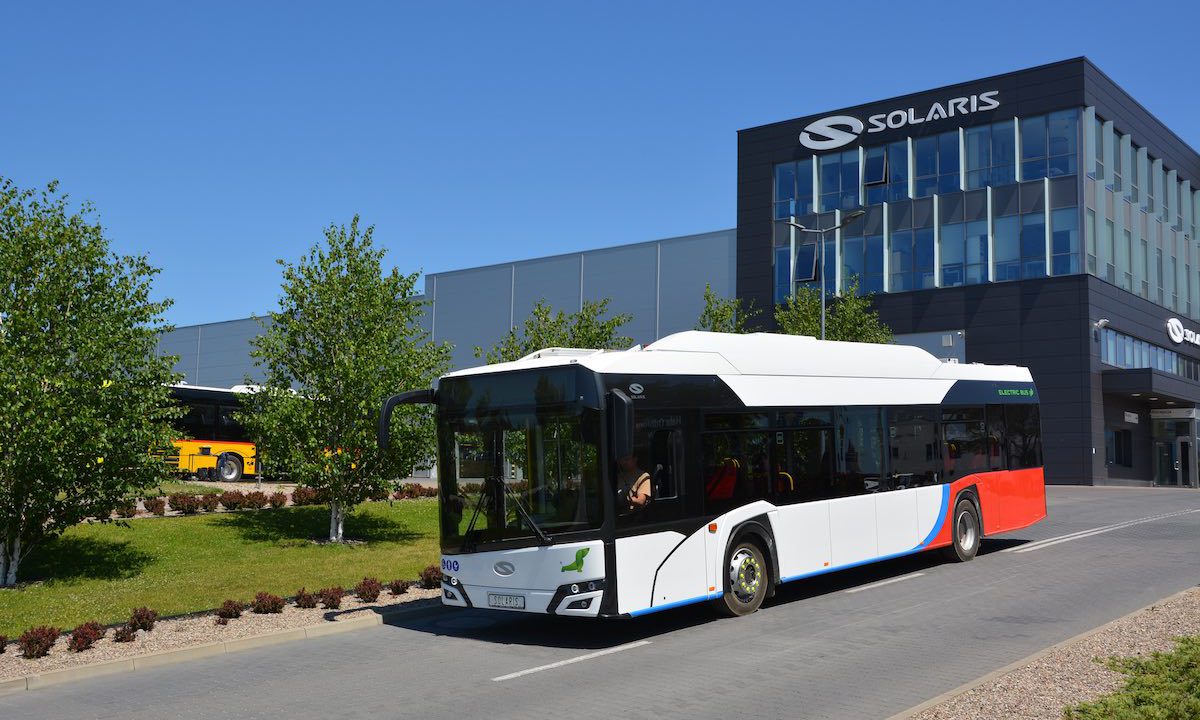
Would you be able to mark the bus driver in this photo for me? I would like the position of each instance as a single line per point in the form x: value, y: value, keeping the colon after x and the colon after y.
x: 633, y: 484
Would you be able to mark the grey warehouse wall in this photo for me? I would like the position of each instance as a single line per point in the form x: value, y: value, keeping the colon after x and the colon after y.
x: 213, y: 354
x: 660, y: 283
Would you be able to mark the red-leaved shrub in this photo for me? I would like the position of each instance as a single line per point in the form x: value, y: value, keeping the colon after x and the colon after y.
x: 208, y: 502
x: 331, y: 597
x: 413, y: 490
x: 368, y: 589
x: 36, y: 642
x: 184, y: 503
x: 143, y: 618
x: 431, y: 577
x: 266, y: 603
x: 231, y: 609
x: 3, y: 642
x: 155, y: 505
x: 278, y: 499
x: 398, y: 587
x: 255, y: 500
x: 127, y: 509
x: 306, y: 496
x: 124, y: 634
x: 233, y: 499
x: 305, y: 599
x: 84, y: 636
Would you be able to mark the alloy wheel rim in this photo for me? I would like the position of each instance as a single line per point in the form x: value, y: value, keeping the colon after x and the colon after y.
x: 966, y: 530
x: 745, y: 575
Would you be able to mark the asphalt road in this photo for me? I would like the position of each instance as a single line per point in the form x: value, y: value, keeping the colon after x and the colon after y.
x: 864, y: 643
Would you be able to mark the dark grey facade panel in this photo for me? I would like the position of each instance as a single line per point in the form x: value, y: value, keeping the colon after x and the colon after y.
x: 477, y: 305
x: 1130, y: 117
x: 685, y: 267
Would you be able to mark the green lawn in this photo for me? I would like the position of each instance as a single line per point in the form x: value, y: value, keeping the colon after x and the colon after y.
x: 184, y: 564
x: 183, y: 487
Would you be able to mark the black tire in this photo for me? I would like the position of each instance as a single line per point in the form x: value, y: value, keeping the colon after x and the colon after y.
x: 966, y: 532
x: 229, y: 467
x: 746, y: 579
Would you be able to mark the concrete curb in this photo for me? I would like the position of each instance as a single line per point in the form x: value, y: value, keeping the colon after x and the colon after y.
x: 965, y: 687
x: 196, y: 652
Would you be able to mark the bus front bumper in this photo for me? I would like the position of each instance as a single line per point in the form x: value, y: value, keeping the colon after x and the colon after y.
x: 579, y: 599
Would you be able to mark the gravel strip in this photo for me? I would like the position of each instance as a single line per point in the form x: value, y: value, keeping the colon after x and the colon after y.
x: 188, y: 631
x: 1071, y: 674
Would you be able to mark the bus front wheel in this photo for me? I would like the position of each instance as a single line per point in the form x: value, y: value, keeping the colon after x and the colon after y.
x: 229, y: 468
x: 746, y: 580
x: 967, y: 533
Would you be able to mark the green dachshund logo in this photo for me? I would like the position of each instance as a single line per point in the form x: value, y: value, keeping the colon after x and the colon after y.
x: 577, y: 566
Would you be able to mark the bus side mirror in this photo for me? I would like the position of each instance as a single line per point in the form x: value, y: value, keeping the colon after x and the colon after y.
x: 413, y: 397
x: 620, y: 423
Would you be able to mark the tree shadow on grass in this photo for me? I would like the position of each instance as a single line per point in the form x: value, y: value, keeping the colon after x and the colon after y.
x: 303, y: 525
x: 71, y: 558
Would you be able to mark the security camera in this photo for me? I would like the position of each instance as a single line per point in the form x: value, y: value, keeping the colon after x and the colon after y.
x: 1101, y: 323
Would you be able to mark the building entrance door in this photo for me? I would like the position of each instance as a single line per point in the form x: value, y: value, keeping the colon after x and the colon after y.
x: 1173, y: 462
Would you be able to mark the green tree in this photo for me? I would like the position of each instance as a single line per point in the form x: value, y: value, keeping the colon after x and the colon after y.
x: 727, y: 315
x: 346, y: 335
x: 85, y: 406
x: 545, y: 327
x: 849, y: 317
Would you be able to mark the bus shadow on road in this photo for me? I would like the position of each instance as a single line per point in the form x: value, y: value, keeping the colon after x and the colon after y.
x: 511, y: 628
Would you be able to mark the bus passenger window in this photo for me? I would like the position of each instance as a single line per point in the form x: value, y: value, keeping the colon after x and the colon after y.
x: 859, y: 452
x: 1024, y: 435
x: 995, y: 437
x: 666, y: 460
x: 736, y: 469
x: 966, y: 443
x: 912, y: 435
x: 809, y: 471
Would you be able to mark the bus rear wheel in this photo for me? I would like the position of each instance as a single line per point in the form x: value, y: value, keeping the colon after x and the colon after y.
x: 229, y: 468
x: 746, y: 580
x: 966, y: 532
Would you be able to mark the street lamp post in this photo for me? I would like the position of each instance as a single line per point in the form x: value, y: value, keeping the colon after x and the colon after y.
x: 846, y: 220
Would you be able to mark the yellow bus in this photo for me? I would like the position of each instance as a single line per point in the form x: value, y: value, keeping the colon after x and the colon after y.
x: 212, y: 445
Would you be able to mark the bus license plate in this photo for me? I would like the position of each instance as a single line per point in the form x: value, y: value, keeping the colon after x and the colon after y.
x: 516, y: 602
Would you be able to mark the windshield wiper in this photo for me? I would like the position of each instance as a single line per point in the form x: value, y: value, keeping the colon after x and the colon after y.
x: 467, y: 536
x: 545, y: 539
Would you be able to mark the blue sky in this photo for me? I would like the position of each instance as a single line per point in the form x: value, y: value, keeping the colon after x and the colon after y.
x: 217, y: 137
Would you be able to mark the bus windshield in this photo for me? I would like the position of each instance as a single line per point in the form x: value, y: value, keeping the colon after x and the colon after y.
x: 509, y: 473
x: 498, y: 473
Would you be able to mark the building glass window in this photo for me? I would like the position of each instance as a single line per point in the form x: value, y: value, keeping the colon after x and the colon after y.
x: 872, y: 281
x: 1089, y: 236
x: 979, y: 156
x: 1144, y: 291
x: 953, y: 240
x: 1123, y: 351
x: 1004, y: 153
x: 1108, y: 243
x: 875, y: 174
x: 1007, y: 247
x: 1125, y: 261
x: 923, y: 258
x: 948, y: 162
x: 1134, y: 176
x: 1063, y: 142
x: 1098, y: 147
x: 897, y: 163
x: 925, y: 166
x: 1033, y: 148
x: 1033, y: 245
x: 839, y: 181
x: 1118, y: 447
x: 793, y: 189
x: 901, y: 260
x: 977, y: 252
x: 1114, y: 141
x: 1064, y: 241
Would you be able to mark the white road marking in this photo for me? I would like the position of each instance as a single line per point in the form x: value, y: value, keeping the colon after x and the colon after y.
x: 1049, y: 542
x: 881, y: 583
x: 581, y: 658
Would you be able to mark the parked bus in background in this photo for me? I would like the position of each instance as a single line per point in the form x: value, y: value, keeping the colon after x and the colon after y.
x: 714, y: 467
x: 212, y: 444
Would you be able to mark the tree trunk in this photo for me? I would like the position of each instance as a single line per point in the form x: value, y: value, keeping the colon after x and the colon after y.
x: 337, y: 517
x: 11, y: 560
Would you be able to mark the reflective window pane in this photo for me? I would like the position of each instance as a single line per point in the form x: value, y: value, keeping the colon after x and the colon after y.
x: 1033, y: 137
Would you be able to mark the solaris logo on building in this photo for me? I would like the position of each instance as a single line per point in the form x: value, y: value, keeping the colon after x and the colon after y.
x: 1179, y: 334
x: 835, y: 131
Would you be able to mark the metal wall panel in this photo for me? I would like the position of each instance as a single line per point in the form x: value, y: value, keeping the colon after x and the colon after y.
x: 629, y: 276
x: 471, y: 308
x: 686, y: 265
x: 553, y: 279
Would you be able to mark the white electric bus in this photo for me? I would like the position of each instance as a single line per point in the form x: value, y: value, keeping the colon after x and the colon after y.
x: 770, y: 458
